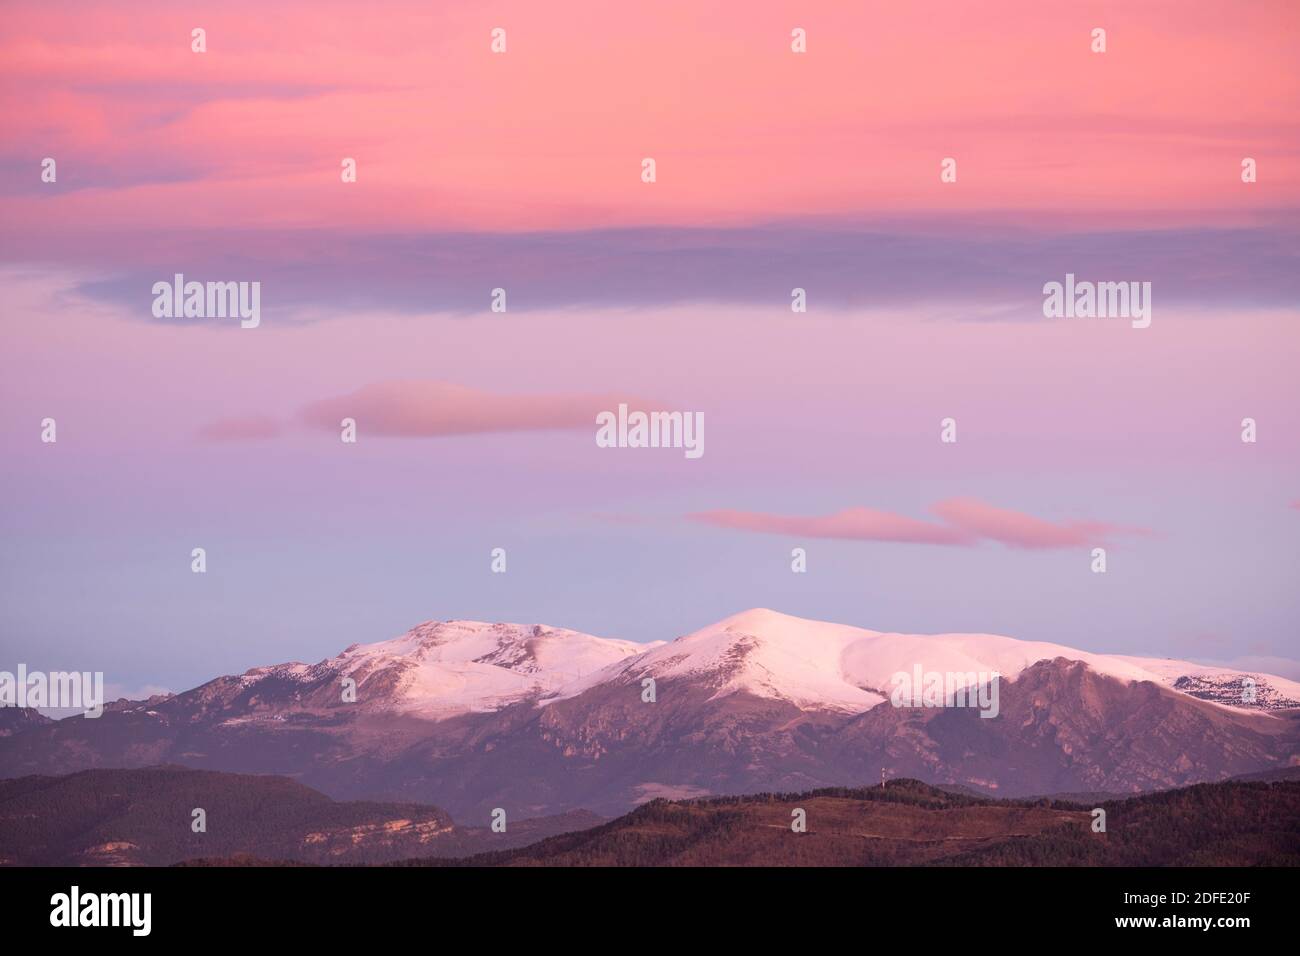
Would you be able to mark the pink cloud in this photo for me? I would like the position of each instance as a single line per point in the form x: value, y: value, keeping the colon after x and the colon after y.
x: 860, y: 524
x: 249, y: 428
x: 1016, y: 529
x: 1037, y: 120
x: 423, y: 409
x: 966, y: 521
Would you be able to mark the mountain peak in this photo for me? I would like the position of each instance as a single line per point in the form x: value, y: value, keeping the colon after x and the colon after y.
x: 821, y: 665
x: 444, y: 668
x: 763, y: 621
x: 440, y: 668
x: 768, y: 654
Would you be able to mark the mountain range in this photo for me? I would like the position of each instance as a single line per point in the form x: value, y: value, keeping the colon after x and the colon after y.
x: 537, y: 720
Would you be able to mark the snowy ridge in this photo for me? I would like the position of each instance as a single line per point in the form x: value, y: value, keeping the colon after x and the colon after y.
x: 819, y: 665
x: 440, y: 669
x: 470, y: 666
x: 443, y: 668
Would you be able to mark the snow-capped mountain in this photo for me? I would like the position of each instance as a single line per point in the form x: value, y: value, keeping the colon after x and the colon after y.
x: 441, y: 669
x: 471, y: 716
x: 821, y: 666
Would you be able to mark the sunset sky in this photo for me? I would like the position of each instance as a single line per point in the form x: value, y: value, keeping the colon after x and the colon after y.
x: 522, y: 170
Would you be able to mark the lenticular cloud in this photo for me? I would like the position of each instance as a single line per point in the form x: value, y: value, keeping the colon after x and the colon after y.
x: 965, y: 521
x: 420, y: 409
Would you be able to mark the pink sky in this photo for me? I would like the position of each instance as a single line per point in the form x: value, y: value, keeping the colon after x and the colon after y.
x: 551, y: 134
x: 523, y: 170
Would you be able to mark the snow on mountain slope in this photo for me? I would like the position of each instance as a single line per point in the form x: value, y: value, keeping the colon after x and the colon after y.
x: 442, y: 668
x: 1219, y: 684
x: 818, y: 665
x: 769, y: 655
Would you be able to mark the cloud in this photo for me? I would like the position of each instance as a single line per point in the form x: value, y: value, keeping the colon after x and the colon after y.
x: 249, y: 428
x: 859, y: 524
x: 966, y: 521
x: 76, y: 78
x: 424, y: 409
x: 979, y: 268
x: 1016, y: 529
